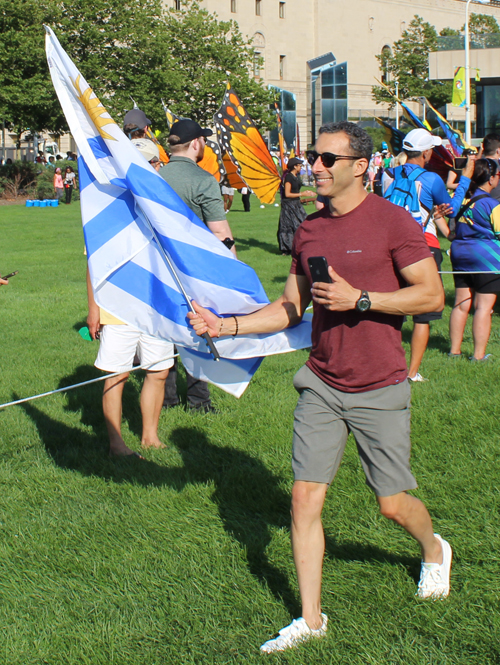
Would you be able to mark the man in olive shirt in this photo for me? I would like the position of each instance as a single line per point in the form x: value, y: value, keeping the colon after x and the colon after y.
x: 197, y: 188
x: 200, y: 191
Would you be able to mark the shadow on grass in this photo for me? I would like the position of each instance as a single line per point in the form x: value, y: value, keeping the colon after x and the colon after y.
x: 352, y: 551
x: 435, y: 341
x: 280, y: 279
x: 251, y: 243
x: 248, y: 496
x: 79, y: 324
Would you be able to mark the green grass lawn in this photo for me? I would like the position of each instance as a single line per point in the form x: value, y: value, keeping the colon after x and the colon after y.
x: 185, y: 557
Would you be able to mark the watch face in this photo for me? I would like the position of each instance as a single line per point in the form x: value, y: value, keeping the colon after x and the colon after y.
x: 363, y: 304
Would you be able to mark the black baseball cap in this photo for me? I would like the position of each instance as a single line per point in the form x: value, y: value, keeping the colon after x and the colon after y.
x: 136, y: 117
x: 188, y: 130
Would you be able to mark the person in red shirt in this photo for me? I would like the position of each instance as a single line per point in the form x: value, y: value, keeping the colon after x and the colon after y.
x: 356, y: 377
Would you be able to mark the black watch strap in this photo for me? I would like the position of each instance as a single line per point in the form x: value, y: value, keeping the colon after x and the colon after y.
x: 229, y: 242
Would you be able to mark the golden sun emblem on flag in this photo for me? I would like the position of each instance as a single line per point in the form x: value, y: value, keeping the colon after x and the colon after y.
x: 94, y: 108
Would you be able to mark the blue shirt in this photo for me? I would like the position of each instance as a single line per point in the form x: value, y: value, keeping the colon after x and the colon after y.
x: 476, y: 246
x: 433, y: 192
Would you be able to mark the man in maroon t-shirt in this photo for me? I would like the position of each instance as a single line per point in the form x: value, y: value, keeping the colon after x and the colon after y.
x: 356, y: 377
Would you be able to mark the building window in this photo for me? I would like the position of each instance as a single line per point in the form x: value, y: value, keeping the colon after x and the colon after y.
x: 233, y: 6
x: 258, y: 7
x: 385, y: 56
x: 177, y: 5
x: 256, y: 63
x: 282, y: 67
x: 282, y: 10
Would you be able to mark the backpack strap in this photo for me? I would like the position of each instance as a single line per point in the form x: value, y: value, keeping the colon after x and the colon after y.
x: 465, y: 207
x: 413, y: 175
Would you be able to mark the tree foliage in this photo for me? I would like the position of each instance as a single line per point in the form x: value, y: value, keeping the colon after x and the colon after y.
x: 449, y: 32
x: 126, y: 51
x: 408, y: 63
x: 208, y: 53
x: 122, y: 49
x: 26, y: 99
x: 481, y: 24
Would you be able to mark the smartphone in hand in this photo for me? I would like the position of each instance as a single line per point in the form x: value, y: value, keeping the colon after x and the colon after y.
x: 318, y: 266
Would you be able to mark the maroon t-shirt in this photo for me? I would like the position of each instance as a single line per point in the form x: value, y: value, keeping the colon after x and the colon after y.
x: 352, y: 351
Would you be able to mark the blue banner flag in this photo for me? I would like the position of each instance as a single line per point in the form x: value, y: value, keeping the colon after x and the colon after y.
x: 394, y: 137
x: 454, y: 136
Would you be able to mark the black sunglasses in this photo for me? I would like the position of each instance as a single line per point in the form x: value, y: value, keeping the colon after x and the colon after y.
x: 328, y: 159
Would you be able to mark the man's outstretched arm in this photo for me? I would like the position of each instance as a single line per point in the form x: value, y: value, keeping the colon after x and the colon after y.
x: 284, y: 312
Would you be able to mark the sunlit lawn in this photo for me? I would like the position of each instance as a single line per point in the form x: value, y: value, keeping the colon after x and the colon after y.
x: 185, y: 557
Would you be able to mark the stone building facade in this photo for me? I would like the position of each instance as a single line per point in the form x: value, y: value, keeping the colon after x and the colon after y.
x: 288, y: 34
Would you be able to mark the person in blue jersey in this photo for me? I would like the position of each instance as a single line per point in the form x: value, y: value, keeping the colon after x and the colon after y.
x: 476, y: 248
x: 418, y: 146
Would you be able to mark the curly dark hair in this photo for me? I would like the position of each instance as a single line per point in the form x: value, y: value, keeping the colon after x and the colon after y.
x: 360, y: 141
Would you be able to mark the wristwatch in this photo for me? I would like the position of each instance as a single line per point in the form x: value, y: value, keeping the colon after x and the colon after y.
x: 229, y: 242
x: 364, y: 303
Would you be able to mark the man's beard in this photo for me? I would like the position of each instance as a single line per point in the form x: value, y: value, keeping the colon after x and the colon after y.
x: 199, y: 156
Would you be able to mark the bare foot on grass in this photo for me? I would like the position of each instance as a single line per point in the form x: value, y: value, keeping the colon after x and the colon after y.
x: 117, y: 448
x: 152, y: 443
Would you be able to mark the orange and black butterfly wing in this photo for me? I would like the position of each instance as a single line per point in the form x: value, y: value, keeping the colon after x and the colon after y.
x: 238, y: 136
x: 212, y: 160
x: 232, y: 176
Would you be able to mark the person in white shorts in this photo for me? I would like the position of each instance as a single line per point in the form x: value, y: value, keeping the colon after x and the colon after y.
x: 119, y: 344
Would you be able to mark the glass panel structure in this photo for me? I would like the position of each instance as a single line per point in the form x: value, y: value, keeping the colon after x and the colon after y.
x: 328, y: 95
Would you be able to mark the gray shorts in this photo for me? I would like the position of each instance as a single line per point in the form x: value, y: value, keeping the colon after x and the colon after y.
x: 379, y: 420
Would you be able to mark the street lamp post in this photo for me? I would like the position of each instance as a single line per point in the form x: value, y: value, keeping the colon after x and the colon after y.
x: 397, y: 103
x: 467, y: 71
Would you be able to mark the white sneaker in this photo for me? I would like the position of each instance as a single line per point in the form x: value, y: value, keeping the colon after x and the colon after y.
x: 435, y: 577
x: 418, y: 378
x: 296, y: 633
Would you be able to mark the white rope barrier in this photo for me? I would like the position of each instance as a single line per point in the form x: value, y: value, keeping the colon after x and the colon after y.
x: 85, y: 383
x: 109, y: 376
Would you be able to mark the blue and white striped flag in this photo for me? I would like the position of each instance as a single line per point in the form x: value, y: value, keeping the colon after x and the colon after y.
x: 121, y: 194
